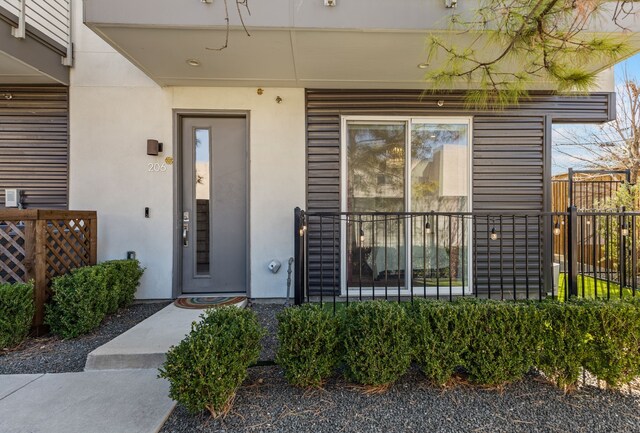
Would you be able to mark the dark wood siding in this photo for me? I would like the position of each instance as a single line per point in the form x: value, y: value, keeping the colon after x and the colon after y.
x: 509, y: 160
x: 508, y: 177
x: 34, y: 144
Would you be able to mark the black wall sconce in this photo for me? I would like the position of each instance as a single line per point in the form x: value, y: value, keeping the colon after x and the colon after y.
x: 153, y: 147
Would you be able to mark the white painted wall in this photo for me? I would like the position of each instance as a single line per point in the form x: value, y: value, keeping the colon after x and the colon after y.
x: 115, y: 108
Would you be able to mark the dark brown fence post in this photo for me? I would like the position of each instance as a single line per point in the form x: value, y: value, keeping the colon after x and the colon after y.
x: 298, y: 245
x: 30, y: 249
x: 572, y: 252
x: 93, y: 242
x: 40, y: 283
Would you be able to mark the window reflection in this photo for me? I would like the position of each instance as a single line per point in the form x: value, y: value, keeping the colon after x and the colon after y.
x: 377, y: 179
x: 203, y: 199
x: 376, y: 161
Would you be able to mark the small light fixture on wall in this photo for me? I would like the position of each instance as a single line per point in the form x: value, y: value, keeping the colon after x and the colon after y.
x: 494, y: 235
x: 279, y: 100
x: 330, y: 3
x: 451, y: 4
x: 154, y: 147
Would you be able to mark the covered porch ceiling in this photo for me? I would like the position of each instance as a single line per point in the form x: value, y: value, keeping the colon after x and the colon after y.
x: 282, y: 57
x: 293, y: 43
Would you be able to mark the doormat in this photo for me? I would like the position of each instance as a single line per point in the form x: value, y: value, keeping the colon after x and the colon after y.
x: 203, y: 302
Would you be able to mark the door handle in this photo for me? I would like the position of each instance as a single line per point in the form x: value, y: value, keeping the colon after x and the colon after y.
x: 185, y: 235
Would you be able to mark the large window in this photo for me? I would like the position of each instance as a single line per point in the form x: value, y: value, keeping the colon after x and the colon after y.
x: 391, y: 168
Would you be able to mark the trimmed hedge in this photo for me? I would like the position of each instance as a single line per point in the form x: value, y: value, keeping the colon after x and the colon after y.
x: 309, y: 344
x: 614, y: 341
x: 376, y: 341
x: 207, y: 367
x: 504, y: 340
x: 82, y: 298
x: 16, y: 313
x: 439, y: 338
x: 492, y: 342
x: 124, y: 278
x: 565, y: 341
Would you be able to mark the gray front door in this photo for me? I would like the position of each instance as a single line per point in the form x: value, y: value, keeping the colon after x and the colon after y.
x: 214, y: 208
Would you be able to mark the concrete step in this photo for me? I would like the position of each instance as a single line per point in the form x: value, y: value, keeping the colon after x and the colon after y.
x: 146, y: 344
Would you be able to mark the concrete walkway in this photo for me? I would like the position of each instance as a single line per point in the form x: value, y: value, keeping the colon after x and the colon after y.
x: 119, y: 391
x: 146, y: 344
x: 125, y: 401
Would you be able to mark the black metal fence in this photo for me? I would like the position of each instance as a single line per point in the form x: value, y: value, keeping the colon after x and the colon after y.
x: 352, y: 256
x: 587, y: 193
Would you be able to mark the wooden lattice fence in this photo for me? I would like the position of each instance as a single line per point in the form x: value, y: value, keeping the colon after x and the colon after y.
x: 40, y: 244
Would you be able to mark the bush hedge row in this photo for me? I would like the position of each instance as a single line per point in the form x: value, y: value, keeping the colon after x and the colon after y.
x: 207, y: 367
x: 16, y: 313
x: 82, y: 298
x: 491, y: 342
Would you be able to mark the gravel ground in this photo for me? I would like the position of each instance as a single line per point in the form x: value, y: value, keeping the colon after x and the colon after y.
x: 265, y: 403
x: 51, y: 354
x: 267, y: 316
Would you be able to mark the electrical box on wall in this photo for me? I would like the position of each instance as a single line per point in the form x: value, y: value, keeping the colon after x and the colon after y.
x: 12, y: 198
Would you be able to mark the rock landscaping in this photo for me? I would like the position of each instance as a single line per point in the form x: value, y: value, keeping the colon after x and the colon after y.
x: 51, y: 354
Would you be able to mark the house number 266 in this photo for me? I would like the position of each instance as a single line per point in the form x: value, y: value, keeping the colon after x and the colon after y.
x: 155, y: 167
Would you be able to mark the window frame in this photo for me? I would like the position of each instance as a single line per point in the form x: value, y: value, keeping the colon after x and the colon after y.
x: 408, y: 121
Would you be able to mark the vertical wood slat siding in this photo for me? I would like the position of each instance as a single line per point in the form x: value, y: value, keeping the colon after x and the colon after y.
x: 34, y: 144
x: 508, y: 158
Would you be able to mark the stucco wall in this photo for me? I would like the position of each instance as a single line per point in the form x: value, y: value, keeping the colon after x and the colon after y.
x: 115, y: 108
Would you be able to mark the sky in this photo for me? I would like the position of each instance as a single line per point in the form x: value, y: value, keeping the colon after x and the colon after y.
x: 561, y: 162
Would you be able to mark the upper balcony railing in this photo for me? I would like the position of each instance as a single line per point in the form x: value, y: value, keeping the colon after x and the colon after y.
x: 51, y: 18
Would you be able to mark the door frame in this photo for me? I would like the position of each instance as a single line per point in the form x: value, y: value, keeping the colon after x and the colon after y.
x: 178, y: 178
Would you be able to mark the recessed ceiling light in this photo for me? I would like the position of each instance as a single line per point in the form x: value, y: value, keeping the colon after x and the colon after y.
x: 424, y: 65
x: 193, y: 62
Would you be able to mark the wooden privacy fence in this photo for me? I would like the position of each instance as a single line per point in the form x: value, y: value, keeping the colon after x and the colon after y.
x: 588, y: 195
x: 39, y: 245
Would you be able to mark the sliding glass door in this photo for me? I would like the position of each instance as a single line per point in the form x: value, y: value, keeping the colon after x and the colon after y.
x: 392, y: 167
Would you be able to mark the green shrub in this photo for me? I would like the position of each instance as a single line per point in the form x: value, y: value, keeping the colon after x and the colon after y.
x: 207, y: 367
x: 376, y: 342
x: 16, y: 313
x: 495, y: 342
x: 124, y: 278
x: 441, y: 334
x: 82, y: 298
x: 309, y: 344
x: 614, y: 354
x: 565, y: 340
x: 80, y: 302
x: 504, y: 338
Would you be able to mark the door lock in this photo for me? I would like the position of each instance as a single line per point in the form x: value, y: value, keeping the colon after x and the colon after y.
x: 185, y: 228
